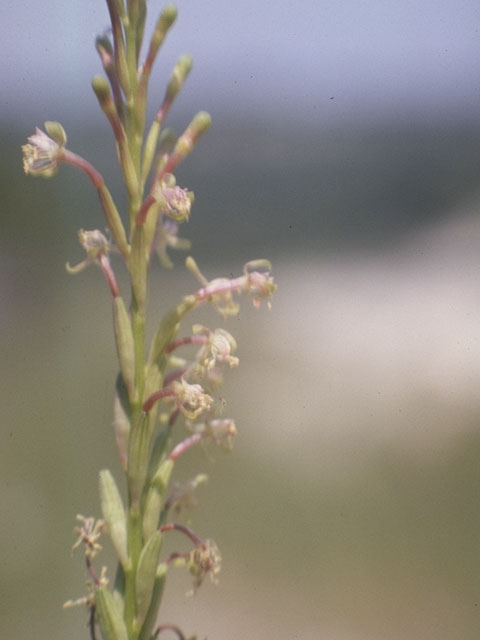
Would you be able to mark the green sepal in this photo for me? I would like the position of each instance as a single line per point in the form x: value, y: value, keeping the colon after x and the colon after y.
x: 156, y: 599
x: 56, y: 132
x: 125, y: 345
x: 145, y: 579
x: 109, y: 617
x: 114, y: 514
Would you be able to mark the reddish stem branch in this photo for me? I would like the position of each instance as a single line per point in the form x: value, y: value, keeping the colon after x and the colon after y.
x: 174, y: 526
x: 169, y: 627
x: 155, y: 397
x: 82, y: 164
x: 184, y: 446
x: 186, y: 340
x: 210, y: 290
x: 109, y: 275
x: 174, y: 375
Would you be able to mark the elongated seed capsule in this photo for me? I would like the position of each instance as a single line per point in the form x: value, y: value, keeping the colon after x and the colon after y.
x: 109, y: 617
x: 152, y: 614
x: 114, y: 514
x: 146, y: 571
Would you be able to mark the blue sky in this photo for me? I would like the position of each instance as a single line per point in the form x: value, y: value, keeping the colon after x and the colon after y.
x: 312, y: 61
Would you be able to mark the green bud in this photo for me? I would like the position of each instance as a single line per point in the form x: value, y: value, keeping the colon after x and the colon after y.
x: 152, y: 614
x: 155, y: 497
x: 102, y: 91
x: 114, y: 514
x: 164, y: 22
x: 109, y: 617
x: 125, y: 346
x: 102, y: 42
x: 200, y: 123
x: 189, y: 138
x: 107, y: 104
x: 56, y: 132
x: 145, y: 579
x: 179, y: 75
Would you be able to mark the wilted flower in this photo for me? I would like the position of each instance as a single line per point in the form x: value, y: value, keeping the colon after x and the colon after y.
x: 259, y: 284
x: 218, y: 348
x: 191, y: 399
x: 41, y: 156
x: 88, y: 533
x: 96, y: 247
x: 175, y: 202
x: 204, y: 560
x: 220, y: 430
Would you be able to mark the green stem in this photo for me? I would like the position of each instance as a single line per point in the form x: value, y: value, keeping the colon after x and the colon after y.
x: 138, y: 328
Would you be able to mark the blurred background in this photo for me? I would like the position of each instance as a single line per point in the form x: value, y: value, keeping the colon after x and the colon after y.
x: 345, y: 147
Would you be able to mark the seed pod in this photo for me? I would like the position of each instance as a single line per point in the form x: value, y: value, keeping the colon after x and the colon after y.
x: 138, y: 456
x: 146, y: 571
x: 152, y: 614
x: 111, y: 622
x: 114, y: 514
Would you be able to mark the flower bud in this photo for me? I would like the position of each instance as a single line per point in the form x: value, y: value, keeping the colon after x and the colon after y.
x: 114, y: 514
x: 109, y: 617
x: 200, y: 123
x: 102, y: 91
x: 164, y: 22
x: 146, y: 572
x: 179, y: 75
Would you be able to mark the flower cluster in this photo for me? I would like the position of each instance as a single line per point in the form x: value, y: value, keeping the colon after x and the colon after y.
x: 165, y: 397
